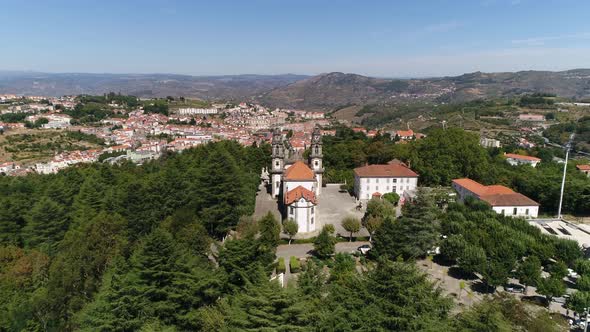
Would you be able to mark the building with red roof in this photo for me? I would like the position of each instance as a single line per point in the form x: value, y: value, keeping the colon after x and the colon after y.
x: 502, y: 199
x: 394, y: 177
x: 518, y: 159
x: 297, y: 185
x: 584, y: 169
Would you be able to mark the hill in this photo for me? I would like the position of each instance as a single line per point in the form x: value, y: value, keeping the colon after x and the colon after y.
x: 322, y: 92
x: 336, y: 90
x: 142, y: 85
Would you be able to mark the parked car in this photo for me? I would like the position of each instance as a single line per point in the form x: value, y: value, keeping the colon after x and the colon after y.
x: 571, y: 273
x: 513, y: 288
x: 364, y: 249
x: 434, y: 251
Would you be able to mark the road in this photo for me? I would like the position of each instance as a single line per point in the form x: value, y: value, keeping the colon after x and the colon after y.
x: 305, y: 249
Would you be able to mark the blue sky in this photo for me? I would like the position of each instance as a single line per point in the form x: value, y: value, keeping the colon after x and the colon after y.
x: 379, y: 38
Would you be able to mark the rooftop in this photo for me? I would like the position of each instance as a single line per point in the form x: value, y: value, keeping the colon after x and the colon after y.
x: 299, y: 171
x: 521, y: 157
x: 495, y: 195
x: 388, y: 170
x: 298, y: 193
x: 583, y: 167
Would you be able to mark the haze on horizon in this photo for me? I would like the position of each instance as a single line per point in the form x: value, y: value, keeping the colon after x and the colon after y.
x: 376, y: 38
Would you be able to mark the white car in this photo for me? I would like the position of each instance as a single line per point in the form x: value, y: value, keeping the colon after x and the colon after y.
x: 571, y: 273
x: 364, y: 249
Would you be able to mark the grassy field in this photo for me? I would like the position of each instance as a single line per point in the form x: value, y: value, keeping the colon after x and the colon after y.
x: 34, y: 145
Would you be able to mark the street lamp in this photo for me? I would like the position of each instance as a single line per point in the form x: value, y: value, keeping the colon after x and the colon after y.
x: 567, y: 152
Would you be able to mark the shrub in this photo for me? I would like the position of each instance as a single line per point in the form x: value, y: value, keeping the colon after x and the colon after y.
x: 281, y: 268
x: 294, y: 264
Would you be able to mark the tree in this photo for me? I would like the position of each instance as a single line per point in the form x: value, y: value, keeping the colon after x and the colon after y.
x: 392, y: 198
x: 351, y: 225
x: 551, y: 287
x: 579, y: 301
x: 384, y: 237
x: 220, y: 194
x: 529, y: 272
x: 472, y: 259
x: 290, y: 227
x: 324, y: 244
x: 558, y: 270
x: 270, y: 231
x: 452, y: 247
x: 46, y: 225
x: 372, y: 223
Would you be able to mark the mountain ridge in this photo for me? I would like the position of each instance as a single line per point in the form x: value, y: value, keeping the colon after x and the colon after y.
x: 325, y: 91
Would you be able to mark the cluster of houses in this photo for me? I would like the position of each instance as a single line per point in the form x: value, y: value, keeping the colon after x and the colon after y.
x: 66, y: 159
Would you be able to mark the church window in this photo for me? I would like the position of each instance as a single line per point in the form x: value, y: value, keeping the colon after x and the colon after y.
x: 278, y: 184
x: 526, y: 212
x: 312, y: 220
x: 317, y: 149
x: 368, y: 180
x: 376, y: 180
x: 368, y: 187
x: 291, y: 210
x: 394, y: 188
x: 387, y: 188
x: 277, y: 163
x: 394, y: 180
x: 387, y: 180
x: 317, y: 163
x: 312, y: 209
x: 514, y: 211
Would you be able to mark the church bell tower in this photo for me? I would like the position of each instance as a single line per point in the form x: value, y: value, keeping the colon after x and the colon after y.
x: 278, y: 162
x: 316, y: 156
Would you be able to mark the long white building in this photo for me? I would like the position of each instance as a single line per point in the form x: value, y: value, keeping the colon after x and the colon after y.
x: 376, y: 180
x: 502, y: 199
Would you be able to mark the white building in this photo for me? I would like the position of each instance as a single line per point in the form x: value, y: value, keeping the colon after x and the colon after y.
x: 517, y: 159
x: 489, y: 142
x: 376, y: 180
x: 503, y: 200
x: 196, y: 111
x: 297, y: 185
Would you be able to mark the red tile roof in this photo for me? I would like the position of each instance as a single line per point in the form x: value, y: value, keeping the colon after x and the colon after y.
x: 521, y: 157
x: 583, y: 167
x: 299, y: 171
x: 405, y: 133
x: 495, y: 195
x: 388, y: 170
x: 298, y: 193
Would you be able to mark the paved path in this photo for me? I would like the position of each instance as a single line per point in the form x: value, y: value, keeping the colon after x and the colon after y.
x: 265, y: 203
x: 305, y: 249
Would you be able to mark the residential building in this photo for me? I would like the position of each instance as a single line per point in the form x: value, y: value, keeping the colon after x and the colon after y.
x: 517, y: 159
x: 404, y: 134
x: 502, y: 199
x: 376, y: 180
x: 584, y: 169
x: 489, y: 142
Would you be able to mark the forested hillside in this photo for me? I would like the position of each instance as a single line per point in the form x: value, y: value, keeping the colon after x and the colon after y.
x: 91, y: 236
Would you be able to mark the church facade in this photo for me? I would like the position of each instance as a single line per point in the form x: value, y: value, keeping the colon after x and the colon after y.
x: 297, y: 184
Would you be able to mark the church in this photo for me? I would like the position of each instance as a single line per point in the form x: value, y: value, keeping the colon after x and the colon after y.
x: 297, y: 184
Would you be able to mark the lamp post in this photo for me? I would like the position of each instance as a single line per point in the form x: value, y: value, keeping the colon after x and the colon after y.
x: 586, y: 320
x: 567, y: 152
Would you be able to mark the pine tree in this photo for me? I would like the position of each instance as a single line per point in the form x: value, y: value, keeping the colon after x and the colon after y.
x: 220, y: 193
x: 46, y: 225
